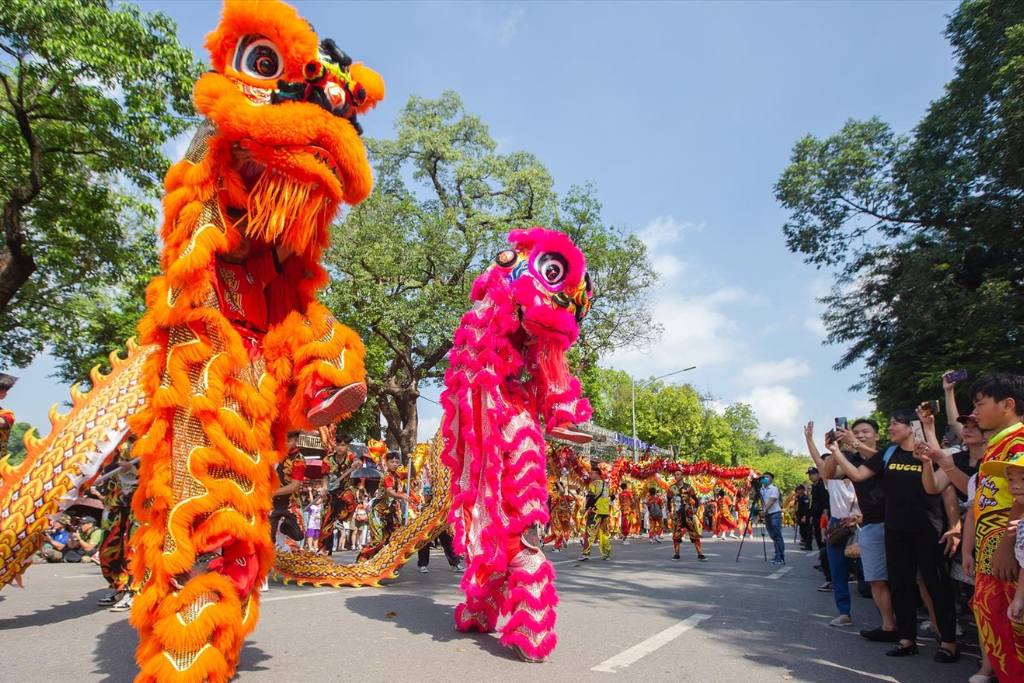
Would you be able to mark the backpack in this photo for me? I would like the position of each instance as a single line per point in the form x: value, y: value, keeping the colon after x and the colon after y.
x: 888, y: 454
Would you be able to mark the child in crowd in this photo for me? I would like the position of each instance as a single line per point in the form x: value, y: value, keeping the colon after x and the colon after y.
x: 314, y: 510
x: 1013, y: 471
x: 361, y: 519
x: 655, y: 511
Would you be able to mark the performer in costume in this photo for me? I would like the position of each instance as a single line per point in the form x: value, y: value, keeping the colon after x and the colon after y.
x: 598, y: 515
x: 507, y: 373
x: 563, y: 509
x: 118, y: 525
x: 743, y: 509
x: 726, y: 520
x: 655, y: 514
x: 627, y: 512
x: 244, y: 351
x: 6, y: 416
x: 386, y: 513
x: 683, y: 503
x: 341, y: 492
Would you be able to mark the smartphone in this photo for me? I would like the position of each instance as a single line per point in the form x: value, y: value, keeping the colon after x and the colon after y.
x: 830, y: 436
x: 842, y: 423
x: 956, y: 376
x: 929, y: 408
x: 918, y: 431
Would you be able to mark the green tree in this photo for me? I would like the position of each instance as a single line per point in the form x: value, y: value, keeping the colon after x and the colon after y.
x: 89, y: 92
x: 924, y: 230
x: 743, y: 426
x: 403, y: 262
x: 16, y: 444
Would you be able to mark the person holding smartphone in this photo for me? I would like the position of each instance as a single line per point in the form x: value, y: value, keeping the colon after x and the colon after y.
x: 914, y: 525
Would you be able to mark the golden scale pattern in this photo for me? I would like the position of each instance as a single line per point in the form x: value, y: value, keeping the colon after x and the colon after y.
x: 53, y: 466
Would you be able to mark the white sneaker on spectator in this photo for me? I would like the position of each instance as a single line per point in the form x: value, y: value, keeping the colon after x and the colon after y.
x: 265, y: 586
x: 124, y: 604
x: 841, y: 620
x: 424, y: 570
x: 460, y: 567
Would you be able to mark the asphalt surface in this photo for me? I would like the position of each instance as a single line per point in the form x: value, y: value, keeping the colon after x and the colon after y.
x: 639, y: 616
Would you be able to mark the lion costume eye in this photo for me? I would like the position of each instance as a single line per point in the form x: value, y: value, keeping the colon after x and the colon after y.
x: 552, y: 267
x: 258, y: 57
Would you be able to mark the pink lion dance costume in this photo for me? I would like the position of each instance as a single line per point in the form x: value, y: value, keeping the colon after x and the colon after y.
x: 508, y: 373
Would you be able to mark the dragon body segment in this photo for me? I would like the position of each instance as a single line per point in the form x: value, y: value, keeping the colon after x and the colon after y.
x: 49, y: 478
x: 507, y: 381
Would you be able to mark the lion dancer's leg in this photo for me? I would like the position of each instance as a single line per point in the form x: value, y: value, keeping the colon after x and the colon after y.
x: 531, y: 598
x: 693, y: 529
x: 485, y: 593
x: 204, y: 492
x: 325, y: 360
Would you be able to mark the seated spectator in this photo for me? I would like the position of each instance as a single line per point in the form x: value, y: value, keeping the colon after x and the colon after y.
x: 84, y: 544
x: 55, y: 540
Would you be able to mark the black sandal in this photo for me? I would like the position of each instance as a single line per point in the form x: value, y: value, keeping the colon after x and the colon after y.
x: 944, y: 656
x: 902, y: 650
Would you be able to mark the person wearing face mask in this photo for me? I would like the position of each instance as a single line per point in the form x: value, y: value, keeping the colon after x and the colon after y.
x: 772, y: 516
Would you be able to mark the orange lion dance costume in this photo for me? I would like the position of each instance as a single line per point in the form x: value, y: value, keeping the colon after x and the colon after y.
x: 244, y: 352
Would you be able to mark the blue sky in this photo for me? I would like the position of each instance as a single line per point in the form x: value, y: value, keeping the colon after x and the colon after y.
x: 683, y: 117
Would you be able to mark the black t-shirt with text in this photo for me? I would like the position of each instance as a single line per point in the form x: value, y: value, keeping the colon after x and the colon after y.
x: 870, y: 493
x: 908, y: 507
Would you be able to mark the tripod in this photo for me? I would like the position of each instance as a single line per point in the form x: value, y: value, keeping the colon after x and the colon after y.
x: 754, y: 512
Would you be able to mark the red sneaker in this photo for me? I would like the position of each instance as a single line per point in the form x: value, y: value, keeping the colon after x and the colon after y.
x: 568, y: 433
x: 332, y: 402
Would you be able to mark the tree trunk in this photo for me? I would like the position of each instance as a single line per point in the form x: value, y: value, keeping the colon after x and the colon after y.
x: 16, y: 265
x: 398, y: 406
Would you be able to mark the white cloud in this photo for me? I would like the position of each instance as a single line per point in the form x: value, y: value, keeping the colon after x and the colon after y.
x: 773, y: 372
x: 508, y: 28
x: 696, y: 332
x: 862, y: 406
x: 660, y: 237
x: 817, y: 326
x: 778, y: 410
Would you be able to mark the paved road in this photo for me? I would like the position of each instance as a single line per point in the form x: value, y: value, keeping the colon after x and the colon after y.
x: 640, y: 616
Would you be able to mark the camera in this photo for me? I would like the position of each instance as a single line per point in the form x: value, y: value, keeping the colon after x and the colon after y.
x: 842, y: 423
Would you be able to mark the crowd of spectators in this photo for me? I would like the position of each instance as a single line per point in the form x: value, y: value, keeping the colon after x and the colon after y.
x: 925, y: 525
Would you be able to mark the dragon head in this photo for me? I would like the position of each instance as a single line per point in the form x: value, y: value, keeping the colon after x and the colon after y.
x: 547, y: 275
x: 285, y: 104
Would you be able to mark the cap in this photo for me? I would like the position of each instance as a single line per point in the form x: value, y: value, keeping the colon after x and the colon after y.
x: 64, y: 519
x: 87, y: 518
x: 812, y: 470
x: 7, y: 381
x: 997, y: 468
x: 964, y: 419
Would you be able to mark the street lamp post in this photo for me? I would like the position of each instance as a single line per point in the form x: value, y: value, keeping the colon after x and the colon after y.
x: 653, y: 379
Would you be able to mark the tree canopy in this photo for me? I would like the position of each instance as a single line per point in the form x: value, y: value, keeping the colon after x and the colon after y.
x: 402, y: 262
x: 89, y: 93
x: 924, y: 230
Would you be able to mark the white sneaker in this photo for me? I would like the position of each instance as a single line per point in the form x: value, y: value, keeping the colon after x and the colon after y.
x: 265, y: 586
x: 460, y: 567
x: 124, y: 604
x: 841, y: 620
x: 424, y: 570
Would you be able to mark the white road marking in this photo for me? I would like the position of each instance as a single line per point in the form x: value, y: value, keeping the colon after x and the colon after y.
x: 877, y: 677
x: 296, y: 596
x: 642, y: 649
x: 813, y: 553
x: 779, y: 573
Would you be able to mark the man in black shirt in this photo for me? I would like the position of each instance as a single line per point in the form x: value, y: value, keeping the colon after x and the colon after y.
x: 861, y: 445
x: 819, y: 503
x: 803, y: 516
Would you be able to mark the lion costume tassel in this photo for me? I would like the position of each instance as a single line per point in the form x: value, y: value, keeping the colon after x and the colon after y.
x: 507, y: 373
x: 243, y: 350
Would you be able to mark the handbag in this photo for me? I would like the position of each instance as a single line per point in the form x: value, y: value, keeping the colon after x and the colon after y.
x: 839, y: 535
x: 853, y: 547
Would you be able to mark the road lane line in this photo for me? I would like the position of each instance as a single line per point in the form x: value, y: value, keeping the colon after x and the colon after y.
x: 640, y: 650
x: 813, y: 553
x: 780, y: 573
x: 877, y: 677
